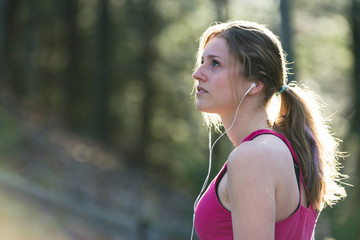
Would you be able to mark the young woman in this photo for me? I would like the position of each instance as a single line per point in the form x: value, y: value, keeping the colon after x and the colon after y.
x: 282, y: 171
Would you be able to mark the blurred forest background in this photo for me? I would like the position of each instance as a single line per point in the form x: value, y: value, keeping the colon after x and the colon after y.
x: 99, y: 136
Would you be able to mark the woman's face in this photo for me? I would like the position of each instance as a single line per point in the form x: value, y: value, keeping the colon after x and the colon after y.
x: 215, y: 89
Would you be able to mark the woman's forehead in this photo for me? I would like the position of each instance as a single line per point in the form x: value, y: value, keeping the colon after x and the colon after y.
x: 218, y: 47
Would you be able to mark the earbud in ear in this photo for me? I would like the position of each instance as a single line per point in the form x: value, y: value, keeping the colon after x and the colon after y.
x: 251, y: 87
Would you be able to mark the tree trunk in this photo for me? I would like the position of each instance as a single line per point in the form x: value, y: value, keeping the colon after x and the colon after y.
x: 29, y: 58
x: 356, y: 51
x: 147, y: 57
x: 356, y: 82
x: 100, y: 115
x: 72, y: 87
x: 286, y: 35
x: 3, y: 61
x: 221, y: 10
x: 8, y: 66
x: 355, y: 127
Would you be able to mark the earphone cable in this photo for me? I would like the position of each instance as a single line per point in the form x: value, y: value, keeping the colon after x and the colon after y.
x: 211, y: 147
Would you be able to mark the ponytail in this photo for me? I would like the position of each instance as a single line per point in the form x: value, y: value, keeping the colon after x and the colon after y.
x: 301, y: 122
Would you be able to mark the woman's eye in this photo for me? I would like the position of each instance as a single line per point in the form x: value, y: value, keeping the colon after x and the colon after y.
x: 215, y: 63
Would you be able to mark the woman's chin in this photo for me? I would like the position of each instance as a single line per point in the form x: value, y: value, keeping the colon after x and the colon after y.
x: 200, y: 107
x: 204, y: 109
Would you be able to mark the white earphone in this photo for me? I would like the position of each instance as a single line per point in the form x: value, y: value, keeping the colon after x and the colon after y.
x: 251, y: 87
x: 211, y: 147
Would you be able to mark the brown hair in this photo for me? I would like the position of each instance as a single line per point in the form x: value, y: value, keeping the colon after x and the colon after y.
x: 262, y: 58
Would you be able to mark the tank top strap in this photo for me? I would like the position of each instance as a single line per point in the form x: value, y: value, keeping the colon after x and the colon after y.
x: 286, y: 141
x: 282, y: 137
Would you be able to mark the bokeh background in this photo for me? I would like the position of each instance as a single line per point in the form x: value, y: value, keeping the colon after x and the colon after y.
x: 99, y: 136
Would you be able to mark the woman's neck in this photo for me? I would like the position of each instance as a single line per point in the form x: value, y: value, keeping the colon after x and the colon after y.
x: 246, y: 123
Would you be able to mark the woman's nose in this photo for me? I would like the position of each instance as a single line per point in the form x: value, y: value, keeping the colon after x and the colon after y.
x: 199, y: 75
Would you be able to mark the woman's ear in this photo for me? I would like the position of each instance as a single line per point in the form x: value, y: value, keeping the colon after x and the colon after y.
x: 257, y: 88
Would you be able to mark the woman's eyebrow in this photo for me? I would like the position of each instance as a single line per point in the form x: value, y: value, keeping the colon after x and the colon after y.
x: 214, y: 56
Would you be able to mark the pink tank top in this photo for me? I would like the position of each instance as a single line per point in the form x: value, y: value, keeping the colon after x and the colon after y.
x: 213, y: 221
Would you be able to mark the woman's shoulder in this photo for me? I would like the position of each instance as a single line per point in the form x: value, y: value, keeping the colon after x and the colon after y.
x: 265, y: 153
x: 255, y: 173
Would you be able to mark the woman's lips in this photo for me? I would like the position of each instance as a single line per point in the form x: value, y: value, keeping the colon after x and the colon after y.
x: 200, y: 91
